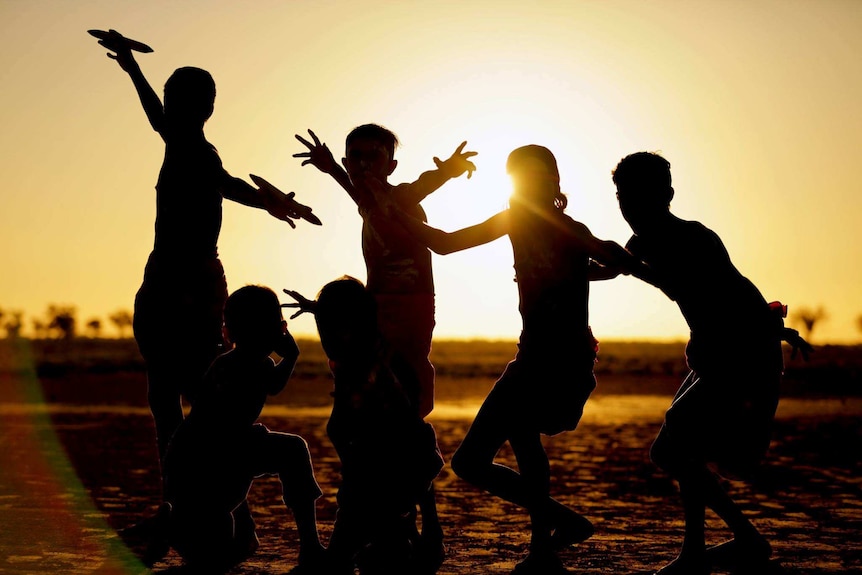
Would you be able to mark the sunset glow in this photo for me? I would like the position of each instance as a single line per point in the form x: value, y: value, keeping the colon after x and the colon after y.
x: 755, y: 104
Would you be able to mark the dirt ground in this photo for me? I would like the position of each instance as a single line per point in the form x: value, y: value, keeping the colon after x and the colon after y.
x: 70, y: 476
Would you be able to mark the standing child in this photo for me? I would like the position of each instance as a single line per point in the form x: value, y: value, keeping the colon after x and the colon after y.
x: 178, y: 308
x: 219, y: 449
x: 389, y: 455
x: 399, y: 268
x: 544, y: 389
x: 722, y: 414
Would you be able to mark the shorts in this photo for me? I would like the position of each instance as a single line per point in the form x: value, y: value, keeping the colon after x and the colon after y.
x: 178, y: 313
x: 724, y: 418
x: 545, y: 396
x: 207, y: 475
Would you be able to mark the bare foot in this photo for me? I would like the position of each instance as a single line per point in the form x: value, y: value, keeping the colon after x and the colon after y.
x: 686, y: 565
x: 740, y: 552
x: 540, y: 563
x: 574, y: 528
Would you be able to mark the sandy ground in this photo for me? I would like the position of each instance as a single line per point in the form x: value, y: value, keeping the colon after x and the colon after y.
x: 70, y: 476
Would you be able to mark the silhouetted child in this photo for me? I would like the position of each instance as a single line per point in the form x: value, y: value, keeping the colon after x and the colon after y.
x: 178, y: 308
x: 544, y: 389
x: 219, y: 449
x: 722, y: 414
x: 389, y: 455
x: 398, y: 267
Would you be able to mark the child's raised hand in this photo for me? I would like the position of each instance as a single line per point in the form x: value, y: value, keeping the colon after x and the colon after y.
x: 304, y: 304
x: 458, y: 163
x: 318, y: 154
x: 123, y: 56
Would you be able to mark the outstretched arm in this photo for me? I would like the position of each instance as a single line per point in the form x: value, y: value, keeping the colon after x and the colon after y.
x: 279, y: 205
x: 430, y: 181
x: 598, y: 272
x: 441, y: 242
x: 610, y: 259
x: 149, y: 99
x: 319, y: 156
x: 797, y: 343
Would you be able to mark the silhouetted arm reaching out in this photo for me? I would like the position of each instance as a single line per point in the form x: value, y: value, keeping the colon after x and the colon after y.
x: 441, y: 242
x: 149, y: 99
x: 598, y: 272
x: 430, y: 181
x: 797, y: 343
x: 319, y: 156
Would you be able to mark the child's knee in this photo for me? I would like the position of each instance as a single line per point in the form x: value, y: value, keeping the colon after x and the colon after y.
x: 288, y: 449
x: 463, y: 464
x: 296, y: 445
x: 661, y: 453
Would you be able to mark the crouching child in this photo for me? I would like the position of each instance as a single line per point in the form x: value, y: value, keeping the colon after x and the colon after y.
x: 220, y: 448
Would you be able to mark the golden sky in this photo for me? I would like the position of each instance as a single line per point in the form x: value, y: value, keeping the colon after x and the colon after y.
x: 756, y: 104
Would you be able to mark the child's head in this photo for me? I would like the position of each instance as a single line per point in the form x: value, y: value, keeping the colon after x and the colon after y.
x: 346, y: 317
x: 536, y: 177
x: 189, y: 96
x: 370, y: 150
x: 644, y: 188
x: 253, y: 319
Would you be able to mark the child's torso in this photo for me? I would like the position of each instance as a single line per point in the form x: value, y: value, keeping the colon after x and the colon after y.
x: 553, y: 289
x: 189, y: 200
x: 395, y: 262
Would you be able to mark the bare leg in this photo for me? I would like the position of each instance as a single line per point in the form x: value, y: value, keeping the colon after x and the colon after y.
x: 474, y: 462
x: 431, y: 551
x: 288, y: 456
x: 529, y: 488
x: 163, y: 395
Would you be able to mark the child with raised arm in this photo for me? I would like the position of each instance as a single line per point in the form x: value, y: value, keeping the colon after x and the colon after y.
x: 722, y: 414
x: 219, y: 449
x: 544, y: 389
x: 398, y: 267
x: 389, y: 455
x: 178, y: 308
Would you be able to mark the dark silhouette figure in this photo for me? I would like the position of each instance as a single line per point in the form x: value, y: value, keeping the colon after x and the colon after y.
x: 178, y: 308
x: 219, y: 449
x: 389, y: 454
x: 177, y: 320
x: 399, y: 268
x: 543, y: 390
x: 722, y: 414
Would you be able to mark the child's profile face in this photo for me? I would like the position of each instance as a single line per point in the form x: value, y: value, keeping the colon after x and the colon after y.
x: 636, y: 208
x: 368, y: 158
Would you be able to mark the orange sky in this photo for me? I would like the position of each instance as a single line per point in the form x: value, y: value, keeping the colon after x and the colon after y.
x: 755, y: 104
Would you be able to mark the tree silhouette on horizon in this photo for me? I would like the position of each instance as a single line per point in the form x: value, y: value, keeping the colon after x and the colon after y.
x: 61, y: 319
x: 809, y: 318
x: 122, y: 320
